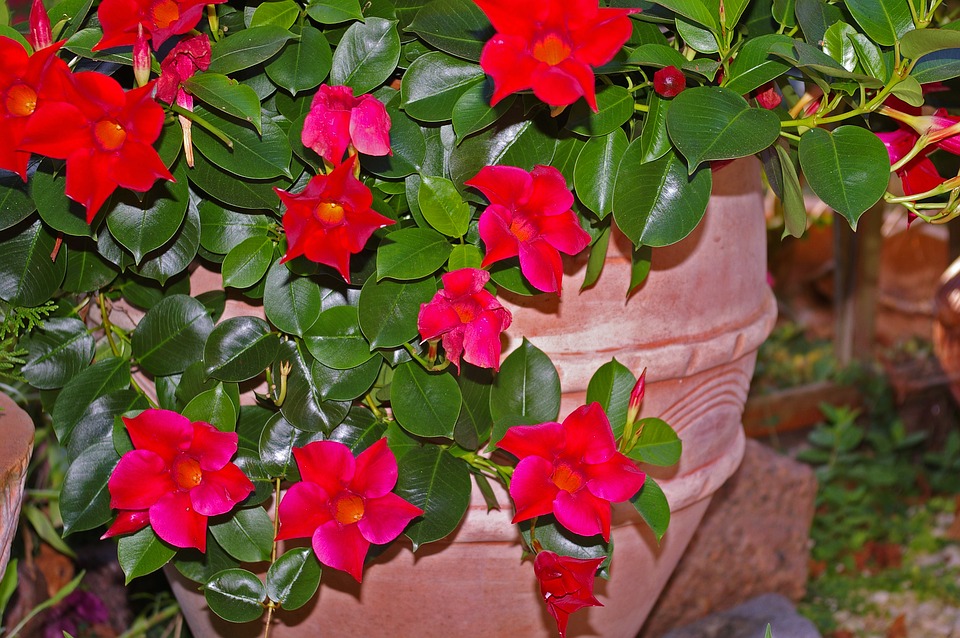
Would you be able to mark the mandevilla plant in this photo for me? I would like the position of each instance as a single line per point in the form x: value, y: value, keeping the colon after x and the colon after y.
x: 368, y: 179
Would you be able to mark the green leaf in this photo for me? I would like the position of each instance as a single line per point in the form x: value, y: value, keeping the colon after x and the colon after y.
x: 412, y: 253
x: 335, y: 339
x: 937, y: 67
x: 175, y: 256
x: 222, y: 229
x: 614, y: 107
x: 57, y: 210
x: 83, y: 41
x: 345, y: 385
x: 87, y: 271
x: 439, y: 484
x: 639, y: 267
x: 654, y: 138
x: 246, y: 534
x: 142, y: 553
x: 554, y: 537
x: 657, y: 203
x: 783, y: 12
x: 473, y: 112
x: 15, y: 204
x: 99, y: 418
x: 303, y: 64
x: 658, y: 55
x: 201, y: 567
x: 28, y: 277
x: 528, y: 385
x: 658, y: 443
x: 611, y: 386
x: 457, y: 27
x: 425, y: 404
x: 282, y: 13
x: 171, y: 335
x: 696, y: 37
x: 304, y: 406
x: 870, y: 56
x: 814, y: 17
x: 84, y: 497
x: 464, y: 256
x: 290, y: 302
x: 754, y: 66
x: 334, y: 11
x: 885, y: 21
x: 848, y: 168
x: 595, y: 174
x: 597, y: 258
x: 712, y: 123
x: 474, y: 421
x: 82, y: 390
x: 143, y: 226
x: 389, y: 310
x: 277, y: 441
x: 247, y: 262
x: 57, y: 352
x: 8, y: 582
x: 434, y: 83
x: 652, y: 505
x: 367, y: 55
x: 919, y: 42
x: 247, y: 48
x: 229, y: 96
x: 794, y: 206
x: 253, y: 156
x: 837, y: 43
x: 214, y: 407
x: 238, y: 193
x: 235, y: 595
x: 909, y: 91
x: 443, y: 207
x: 240, y: 348
x: 294, y: 578
x: 705, y: 12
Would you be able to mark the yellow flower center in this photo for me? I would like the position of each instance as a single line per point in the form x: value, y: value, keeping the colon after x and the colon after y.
x: 109, y: 134
x: 187, y: 472
x: 165, y: 13
x: 348, y: 508
x: 523, y: 229
x: 21, y: 100
x: 329, y: 213
x: 567, y: 478
x: 551, y: 49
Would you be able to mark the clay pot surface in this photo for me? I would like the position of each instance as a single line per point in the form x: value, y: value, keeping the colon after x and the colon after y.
x: 16, y: 446
x: 695, y: 325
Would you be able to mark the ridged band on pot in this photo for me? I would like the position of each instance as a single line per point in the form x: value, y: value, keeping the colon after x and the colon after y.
x: 16, y: 446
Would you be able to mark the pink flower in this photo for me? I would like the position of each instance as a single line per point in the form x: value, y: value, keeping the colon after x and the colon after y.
x: 767, y: 96
x: 551, y: 46
x: 330, y: 219
x: 40, y: 35
x: 669, y: 82
x: 178, y: 474
x: 572, y: 470
x: 529, y: 215
x: 186, y: 58
x: 338, y: 120
x: 919, y: 174
x: 467, y: 317
x: 344, y: 503
x: 566, y: 584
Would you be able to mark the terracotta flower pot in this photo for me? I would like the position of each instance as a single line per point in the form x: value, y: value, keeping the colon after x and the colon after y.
x: 16, y: 446
x: 695, y: 325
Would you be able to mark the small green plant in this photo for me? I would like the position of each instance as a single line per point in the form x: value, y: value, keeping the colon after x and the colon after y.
x: 16, y: 321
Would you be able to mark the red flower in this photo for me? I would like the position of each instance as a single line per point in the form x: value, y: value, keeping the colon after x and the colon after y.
x: 178, y: 474
x: 160, y: 20
x: 767, y: 96
x: 529, y: 215
x: 566, y: 584
x: 669, y: 82
x: 551, y: 46
x: 330, y: 219
x: 919, y: 174
x: 572, y: 470
x: 338, y: 120
x: 467, y: 317
x: 26, y: 81
x: 186, y: 58
x: 105, y: 135
x: 344, y: 503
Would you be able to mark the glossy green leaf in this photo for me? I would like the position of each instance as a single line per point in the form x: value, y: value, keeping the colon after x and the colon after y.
x: 201, y: 567
x: 239, y: 193
x: 214, y: 407
x: 474, y: 421
x: 652, y: 505
x: 247, y: 262
x: 909, y: 91
x: 57, y: 210
x: 171, y: 335
x: 412, y: 253
x: 142, y: 224
x: 240, y: 348
x: 705, y: 12
x: 290, y: 302
x: 224, y: 94
x: 783, y: 12
x: 434, y: 83
x: 84, y: 497
x: 697, y: 37
x: 457, y: 27
x: 443, y: 207
x: 282, y: 13
x: 348, y: 384
x: 367, y: 55
x: 657, y: 55
x: 639, y: 267
x: 389, y: 310
x: 614, y: 107
x: 711, y: 123
x: 15, y: 204
x: 937, y: 67
x: 464, y: 256
x: 610, y: 386
x: 28, y: 277
x: 246, y: 534
x: 304, y: 406
x: 303, y: 64
x: 597, y: 258
x: 222, y: 229
x: 99, y: 418
x: 277, y: 441
x: 554, y: 537
x: 654, y: 138
x: 57, y: 352
x: 528, y: 385
x: 83, y: 41
x: 83, y: 389
x: 334, y: 11
x: 657, y: 203
x: 754, y: 66
x: 86, y: 269
x: 236, y: 595
x: 473, y: 112
x: 247, y: 48
x: 175, y: 256
x: 595, y: 174
x: 885, y: 21
x: 837, y: 43
x: 848, y: 168
x: 919, y: 42
x: 794, y: 206
x: 142, y: 553
x: 294, y: 578
x: 335, y: 339
x: 425, y: 404
x: 814, y: 17
x: 658, y: 443
x: 254, y: 156
x: 439, y: 484
x: 870, y: 56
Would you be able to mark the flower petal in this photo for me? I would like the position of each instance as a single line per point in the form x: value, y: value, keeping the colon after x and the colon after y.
x: 140, y: 479
x: 583, y: 513
x: 531, y: 489
x: 220, y: 490
x: 175, y: 521
x: 376, y: 471
x: 341, y: 547
x: 503, y: 185
x: 616, y: 480
x: 162, y: 431
x: 386, y: 517
x: 211, y: 447
x: 329, y: 464
x: 302, y: 510
x: 540, y: 263
x: 544, y: 440
x: 128, y: 522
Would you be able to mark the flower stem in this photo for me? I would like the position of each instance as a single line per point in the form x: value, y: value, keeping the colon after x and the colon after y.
x: 271, y: 605
x: 107, y: 328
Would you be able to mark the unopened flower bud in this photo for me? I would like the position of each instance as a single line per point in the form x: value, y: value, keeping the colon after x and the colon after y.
x: 141, y: 57
x: 767, y: 96
x: 40, y: 34
x: 636, y: 397
x: 669, y: 82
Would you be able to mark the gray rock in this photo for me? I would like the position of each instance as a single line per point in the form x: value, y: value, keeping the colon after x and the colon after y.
x: 750, y: 620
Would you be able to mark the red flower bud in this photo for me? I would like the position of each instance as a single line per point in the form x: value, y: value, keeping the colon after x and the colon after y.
x: 636, y: 397
x: 40, y: 35
x: 669, y: 82
x: 767, y: 96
